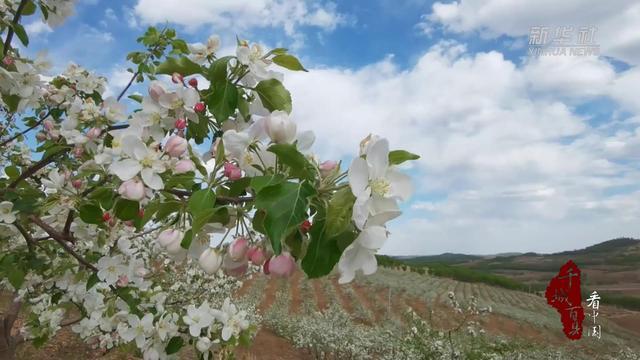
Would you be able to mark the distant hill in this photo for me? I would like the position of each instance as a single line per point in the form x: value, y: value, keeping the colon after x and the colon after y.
x: 611, y: 267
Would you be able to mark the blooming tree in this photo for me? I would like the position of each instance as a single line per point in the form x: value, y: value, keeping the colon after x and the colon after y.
x: 112, y: 222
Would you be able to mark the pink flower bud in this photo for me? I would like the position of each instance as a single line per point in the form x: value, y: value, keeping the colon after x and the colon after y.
x: 132, y: 189
x: 210, y: 261
x: 177, y: 78
x: 41, y: 136
x: 78, y: 151
x: 184, y: 166
x: 93, y: 133
x: 265, y: 267
x: 326, y: 167
x: 156, y: 89
x: 176, y: 146
x: 170, y: 237
x: 7, y: 60
x: 305, y: 226
x: 234, y: 268
x: 199, y: 107
x: 48, y: 125
x: 232, y: 171
x: 282, y: 265
x: 193, y: 82
x: 238, y: 248
x: 256, y: 255
x: 77, y: 183
x: 181, y: 124
x: 123, y: 280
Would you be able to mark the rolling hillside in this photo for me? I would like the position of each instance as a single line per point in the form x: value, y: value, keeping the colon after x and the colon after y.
x: 611, y: 267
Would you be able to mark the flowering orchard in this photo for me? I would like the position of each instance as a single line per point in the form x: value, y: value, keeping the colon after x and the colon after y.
x: 114, y: 224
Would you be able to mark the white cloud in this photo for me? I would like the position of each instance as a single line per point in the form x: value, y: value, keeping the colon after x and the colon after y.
x: 618, y: 29
x: 241, y: 14
x: 36, y: 28
x: 110, y: 14
x: 501, y: 146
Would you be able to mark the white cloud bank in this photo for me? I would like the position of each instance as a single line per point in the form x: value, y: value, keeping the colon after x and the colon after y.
x: 241, y: 14
x: 512, y: 164
x: 618, y: 28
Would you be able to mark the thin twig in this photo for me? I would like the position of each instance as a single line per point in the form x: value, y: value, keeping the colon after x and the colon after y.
x: 15, y: 21
x: 37, y: 166
x: 25, y: 131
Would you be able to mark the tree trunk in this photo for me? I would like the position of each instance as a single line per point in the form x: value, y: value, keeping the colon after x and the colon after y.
x: 8, y: 342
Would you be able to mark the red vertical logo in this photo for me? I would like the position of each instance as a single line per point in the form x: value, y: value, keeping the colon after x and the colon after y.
x: 563, y: 293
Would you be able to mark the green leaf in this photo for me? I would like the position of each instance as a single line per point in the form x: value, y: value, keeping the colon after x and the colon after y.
x: 93, y: 279
x: 200, y: 200
x: 29, y: 8
x: 273, y: 95
x: 167, y: 208
x: 180, y: 46
x: 15, y: 275
x: 259, y: 182
x: 213, y: 215
x: 12, y: 172
x: 339, y: 211
x: 289, y: 62
x: 104, y: 197
x: 223, y: 101
x: 258, y: 222
x: 277, y: 51
x: 11, y: 101
x: 286, y: 206
x: 182, y: 66
x: 174, y: 345
x: 91, y: 214
x: 186, y: 240
x: 399, y: 156
x: 218, y: 71
x: 299, y: 166
x: 135, y: 97
x: 22, y: 35
x: 325, y: 249
x: 330, y: 231
x: 126, y: 209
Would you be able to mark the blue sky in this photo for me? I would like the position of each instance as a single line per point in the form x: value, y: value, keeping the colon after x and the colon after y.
x: 518, y: 153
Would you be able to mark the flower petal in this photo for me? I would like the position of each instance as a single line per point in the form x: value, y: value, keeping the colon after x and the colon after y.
x: 125, y: 169
x: 372, y: 237
x: 378, y: 158
x: 360, y: 211
x: 401, y: 186
x: 133, y: 146
x: 152, y: 179
x: 382, y: 210
x: 358, y: 176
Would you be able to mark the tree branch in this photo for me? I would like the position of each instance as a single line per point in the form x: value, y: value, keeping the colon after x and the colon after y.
x: 37, y: 166
x: 25, y: 131
x: 128, y: 85
x: 220, y: 199
x: 26, y: 235
x: 16, y: 20
x: 61, y: 239
x: 67, y: 224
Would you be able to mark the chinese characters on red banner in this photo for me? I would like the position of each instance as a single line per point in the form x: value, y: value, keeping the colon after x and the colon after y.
x: 563, y: 293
